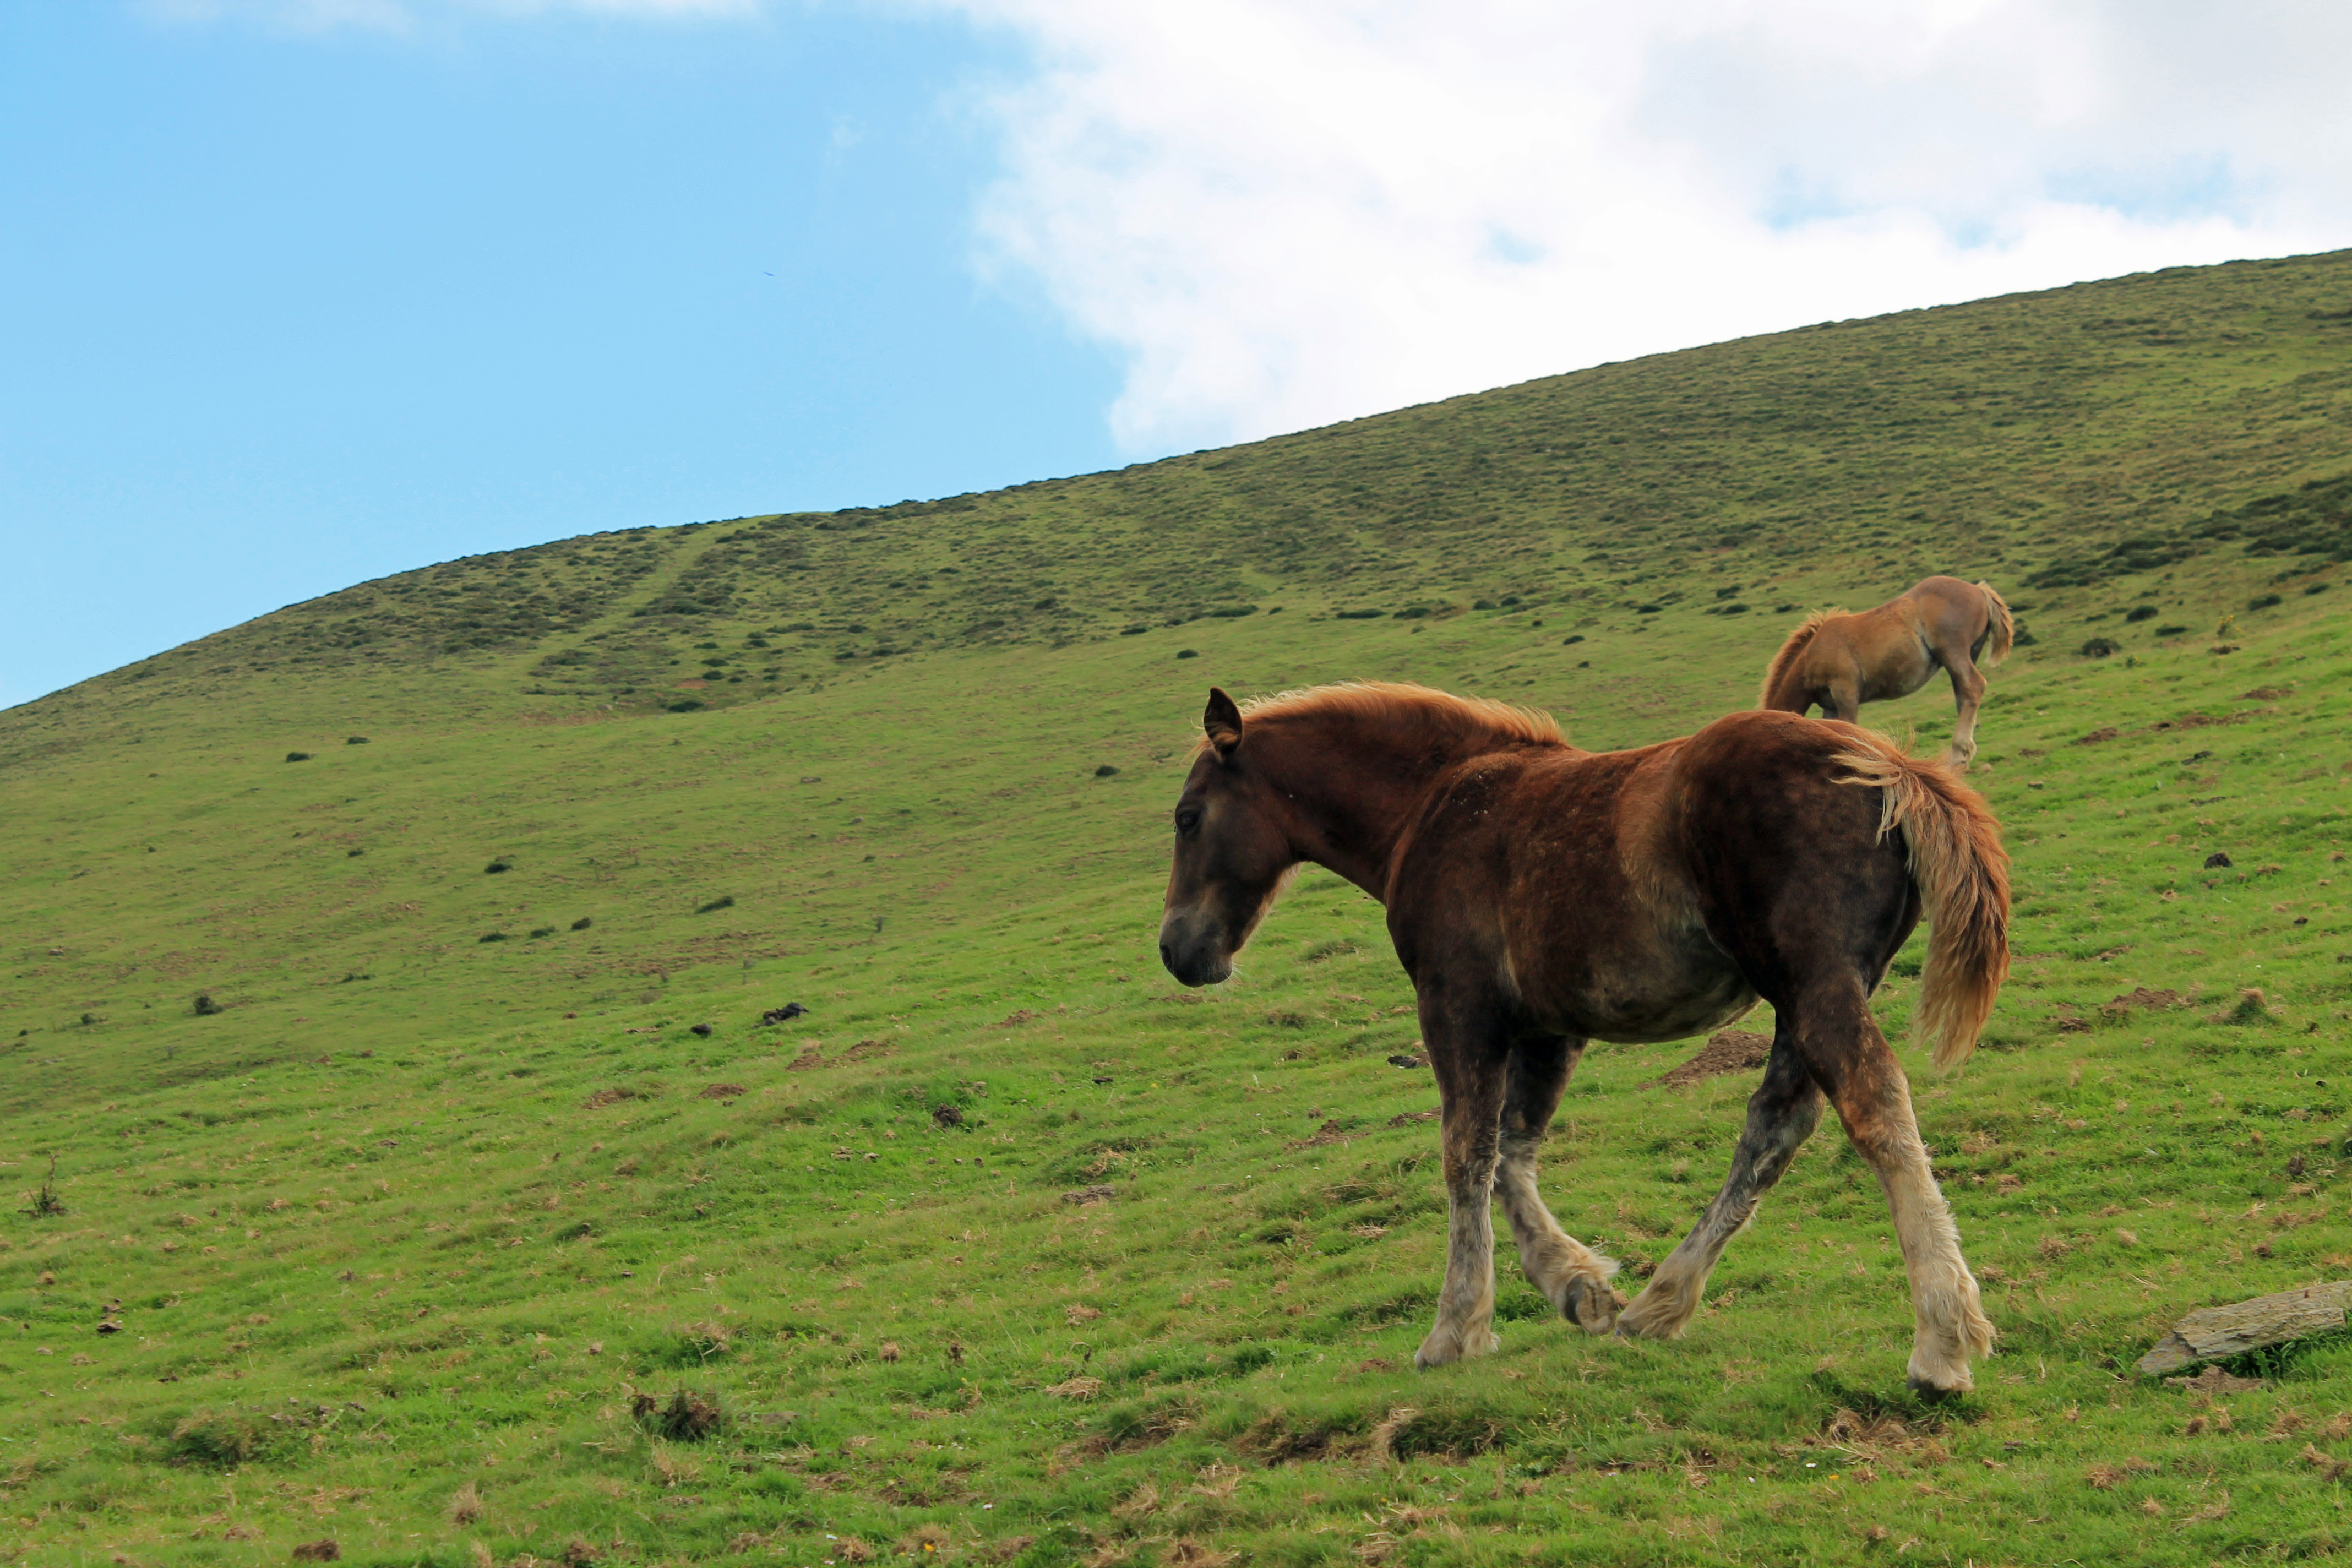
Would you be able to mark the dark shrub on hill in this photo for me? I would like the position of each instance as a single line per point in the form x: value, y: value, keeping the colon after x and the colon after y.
x: 2262, y: 601
x: 538, y: 931
x: 1358, y: 614
x: 2165, y: 632
x: 498, y: 866
x: 207, y: 1007
x: 2100, y: 647
x: 685, y: 705
x: 2140, y: 612
x: 298, y: 756
x: 1232, y: 612
x: 355, y: 739
x: 1649, y: 609
x: 724, y: 901
x: 1572, y: 639
x: 492, y: 936
x: 1188, y: 653
x: 583, y: 923
x: 1106, y: 771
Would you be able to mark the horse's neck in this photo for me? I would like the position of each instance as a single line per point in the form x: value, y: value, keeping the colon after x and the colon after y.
x: 1350, y: 797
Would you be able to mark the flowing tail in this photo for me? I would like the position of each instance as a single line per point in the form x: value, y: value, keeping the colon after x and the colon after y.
x: 1962, y: 874
x: 2003, y: 628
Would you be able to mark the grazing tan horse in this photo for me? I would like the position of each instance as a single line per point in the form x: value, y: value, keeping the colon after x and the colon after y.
x: 1541, y: 897
x: 1836, y: 661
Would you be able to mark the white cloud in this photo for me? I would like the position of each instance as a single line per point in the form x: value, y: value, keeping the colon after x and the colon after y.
x: 1286, y: 212
x: 400, y: 15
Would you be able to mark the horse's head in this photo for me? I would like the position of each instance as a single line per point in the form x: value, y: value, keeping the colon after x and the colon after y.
x: 1231, y: 855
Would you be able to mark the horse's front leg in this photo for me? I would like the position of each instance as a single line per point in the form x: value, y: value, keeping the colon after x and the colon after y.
x: 1781, y: 1114
x: 1469, y: 1059
x: 1572, y: 1277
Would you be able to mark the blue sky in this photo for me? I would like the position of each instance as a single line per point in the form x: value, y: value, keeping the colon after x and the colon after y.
x: 297, y: 292
x: 285, y: 311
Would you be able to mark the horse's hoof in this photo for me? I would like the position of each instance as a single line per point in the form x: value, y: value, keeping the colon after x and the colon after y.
x: 1927, y: 1392
x: 1593, y: 1305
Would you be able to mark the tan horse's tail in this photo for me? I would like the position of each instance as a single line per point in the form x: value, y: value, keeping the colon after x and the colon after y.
x: 1962, y: 874
x: 2004, y: 628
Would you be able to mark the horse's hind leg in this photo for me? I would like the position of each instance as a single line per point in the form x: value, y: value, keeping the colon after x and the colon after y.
x: 1967, y: 695
x: 1850, y: 1058
x: 1781, y: 1115
x: 1573, y: 1277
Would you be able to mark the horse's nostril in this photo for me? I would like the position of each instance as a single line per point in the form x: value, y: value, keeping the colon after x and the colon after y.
x: 1167, y: 956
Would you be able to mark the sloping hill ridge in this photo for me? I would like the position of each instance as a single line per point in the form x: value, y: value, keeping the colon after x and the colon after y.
x: 406, y: 1149
x: 2054, y: 437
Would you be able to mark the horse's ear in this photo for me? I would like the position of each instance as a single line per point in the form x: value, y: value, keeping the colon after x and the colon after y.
x: 1222, y: 721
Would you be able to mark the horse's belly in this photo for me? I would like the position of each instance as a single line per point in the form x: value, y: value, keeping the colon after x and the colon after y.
x: 1642, y: 993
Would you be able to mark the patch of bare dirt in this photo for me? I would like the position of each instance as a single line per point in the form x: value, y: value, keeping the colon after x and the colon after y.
x: 1726, y: 1051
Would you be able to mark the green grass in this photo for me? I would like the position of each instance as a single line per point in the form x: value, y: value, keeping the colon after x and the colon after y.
x: 416, y: 1213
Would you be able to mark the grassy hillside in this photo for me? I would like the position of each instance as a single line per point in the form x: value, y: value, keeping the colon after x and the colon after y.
x: 393, y: 1235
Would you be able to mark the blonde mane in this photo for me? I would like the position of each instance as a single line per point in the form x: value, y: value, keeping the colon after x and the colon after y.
x: 1784, y: 663
x: 1436, y: 713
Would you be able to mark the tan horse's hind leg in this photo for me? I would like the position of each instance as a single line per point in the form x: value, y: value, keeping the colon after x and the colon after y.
x: 1781, y: 1114
x: 1572, y: 1277
x: 1967, y: 695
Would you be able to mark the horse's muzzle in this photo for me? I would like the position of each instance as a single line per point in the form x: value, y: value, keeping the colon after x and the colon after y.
x: 1194, y: 951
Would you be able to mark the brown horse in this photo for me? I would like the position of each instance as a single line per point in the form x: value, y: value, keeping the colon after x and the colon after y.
x: 1541, y: 897
x: 1836, y: 661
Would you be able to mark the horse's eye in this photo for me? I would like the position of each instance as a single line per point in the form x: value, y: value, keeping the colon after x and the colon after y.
x: 1187, y: 819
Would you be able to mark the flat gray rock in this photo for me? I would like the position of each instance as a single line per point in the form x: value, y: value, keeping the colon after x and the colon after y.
x: 2217, y: 1332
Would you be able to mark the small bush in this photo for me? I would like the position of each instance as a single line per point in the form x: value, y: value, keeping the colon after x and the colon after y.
x: 1572, y: 639
x: 2259, y: 602
x: 583, y: 923
x: 2100, y: 647
x: 207, y: 1007
x: 355, y: 739
x: 305, y: 756
x: 724, y: 901
x: 538, y: 931
x: 1106, y: 771
x: 1649, y: 609
x: 46, y: 1204
x: 685, y: 705
x: 1359, y: 615
x: 354, y: 854
x: 1188, y: 653
x: 1483, y: 604
x: 498, y: 867
x: 1133, y: 631
x: 492, y: 936
x: 2139, y: 613
x: 1232, y: 612
x: 2172, y: 631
